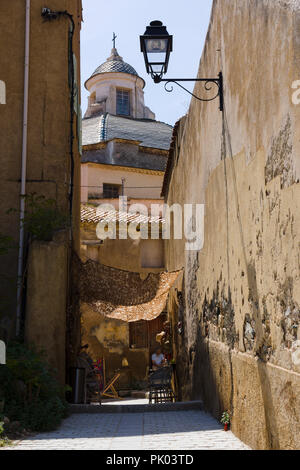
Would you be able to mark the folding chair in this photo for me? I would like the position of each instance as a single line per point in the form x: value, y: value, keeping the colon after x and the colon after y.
x: 109, y: 389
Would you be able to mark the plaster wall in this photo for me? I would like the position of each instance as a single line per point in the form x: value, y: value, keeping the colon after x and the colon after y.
x: 137, y: 184
x: 138, y: 255
x: 240, y: 346
x: 48, y: 153
x: 109, y: 339
x: 104, y: 87
x: 47, y: 288
x: 125, y: 153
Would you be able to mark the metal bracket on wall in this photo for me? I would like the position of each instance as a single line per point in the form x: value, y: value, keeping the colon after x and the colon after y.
x: 208, y: 84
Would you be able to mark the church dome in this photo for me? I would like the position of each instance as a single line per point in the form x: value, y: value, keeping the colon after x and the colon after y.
x: 116, y: 88
x: 115, y: 66
x: 114, y: 63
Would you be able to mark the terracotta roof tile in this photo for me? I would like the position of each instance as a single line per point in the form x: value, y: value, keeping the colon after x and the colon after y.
x: 90, y: 214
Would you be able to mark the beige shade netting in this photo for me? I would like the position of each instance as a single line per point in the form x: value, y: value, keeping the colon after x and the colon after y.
x: 123, y: 295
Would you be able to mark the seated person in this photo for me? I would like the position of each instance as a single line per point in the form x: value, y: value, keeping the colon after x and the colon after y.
x: 158, y: 359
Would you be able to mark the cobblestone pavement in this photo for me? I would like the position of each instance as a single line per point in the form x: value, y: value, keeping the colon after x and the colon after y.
x: 173, y: 430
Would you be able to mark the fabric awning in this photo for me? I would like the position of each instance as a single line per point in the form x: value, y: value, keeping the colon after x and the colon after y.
x: 122, y: 295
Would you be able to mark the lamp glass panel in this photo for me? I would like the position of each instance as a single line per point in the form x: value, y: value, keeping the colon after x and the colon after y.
x: 154, y: 58
x: 156, y: 46
x: 156, y: 68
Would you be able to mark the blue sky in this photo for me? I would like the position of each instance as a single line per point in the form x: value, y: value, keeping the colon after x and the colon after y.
x: 186, y: 20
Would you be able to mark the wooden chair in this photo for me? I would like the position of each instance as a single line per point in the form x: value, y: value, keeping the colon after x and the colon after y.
x: 109, y: 389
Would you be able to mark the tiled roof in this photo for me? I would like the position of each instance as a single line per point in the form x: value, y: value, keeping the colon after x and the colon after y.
x: 90, y: 214
x: 115, y: 66
x: 114, y: 63
x: 153, y: 134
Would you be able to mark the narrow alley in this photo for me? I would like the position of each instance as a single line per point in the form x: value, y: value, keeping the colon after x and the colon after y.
x: 165, y: 430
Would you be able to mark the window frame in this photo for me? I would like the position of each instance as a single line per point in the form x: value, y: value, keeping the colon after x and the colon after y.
x: 112, y: 186
x: 123, y: 90
x: 134, y: 336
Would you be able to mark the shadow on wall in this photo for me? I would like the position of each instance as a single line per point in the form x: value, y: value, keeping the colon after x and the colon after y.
x: 269, y: 409
x: 208, y: 371
x: 260, y: 348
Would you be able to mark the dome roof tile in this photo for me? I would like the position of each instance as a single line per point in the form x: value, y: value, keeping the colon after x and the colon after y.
x: 114, y: 63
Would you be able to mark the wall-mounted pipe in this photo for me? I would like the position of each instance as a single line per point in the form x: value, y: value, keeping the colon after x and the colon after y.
x: 23, y: 168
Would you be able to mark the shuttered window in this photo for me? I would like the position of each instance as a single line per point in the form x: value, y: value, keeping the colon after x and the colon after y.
x: 138, y: 334
x: 142, y: 334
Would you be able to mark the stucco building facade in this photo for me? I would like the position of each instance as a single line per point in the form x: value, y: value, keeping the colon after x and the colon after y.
x: 125, y: 152
x: 235, y: 310
x: 40, y: 153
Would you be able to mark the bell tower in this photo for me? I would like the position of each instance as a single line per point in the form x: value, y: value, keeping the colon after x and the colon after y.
x: 117, y: 89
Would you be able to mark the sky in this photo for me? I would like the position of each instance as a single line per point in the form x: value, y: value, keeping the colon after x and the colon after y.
x: 186, y: 20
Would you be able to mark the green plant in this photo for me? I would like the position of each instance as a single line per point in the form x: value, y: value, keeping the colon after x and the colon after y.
x: 32, y: 395
x: 225, y: 417
x: 4, y: 441
x: 42, y: 217
x: 1, y: 428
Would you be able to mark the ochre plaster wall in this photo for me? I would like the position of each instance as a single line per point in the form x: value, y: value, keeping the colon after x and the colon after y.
x: 47, y: 288
x: 48, y: 154
x: 129, y: 255
x: 109, y: 339
x: 240, y: 296
x: 138, y: 184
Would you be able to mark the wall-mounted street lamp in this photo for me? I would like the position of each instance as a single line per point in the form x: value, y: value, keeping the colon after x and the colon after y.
x: 156, y: 45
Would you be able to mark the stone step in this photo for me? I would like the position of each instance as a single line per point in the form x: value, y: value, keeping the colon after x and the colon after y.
x: 136, y: 408
x: 133, y: 393
x: 138, y: 393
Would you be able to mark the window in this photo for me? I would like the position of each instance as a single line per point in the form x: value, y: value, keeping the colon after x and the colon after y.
x: 142, y: 333
x: 111, y: 191
x: 138, y: 334
x: 123, y: 104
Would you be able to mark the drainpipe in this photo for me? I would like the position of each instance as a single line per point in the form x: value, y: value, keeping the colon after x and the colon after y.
x: 124, y: 205
x: 23, y: 170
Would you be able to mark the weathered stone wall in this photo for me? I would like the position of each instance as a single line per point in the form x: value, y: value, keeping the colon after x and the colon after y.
x: 241, y: 293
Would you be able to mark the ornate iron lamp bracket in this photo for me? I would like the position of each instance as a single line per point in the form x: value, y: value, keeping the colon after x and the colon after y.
x: 208, y: 84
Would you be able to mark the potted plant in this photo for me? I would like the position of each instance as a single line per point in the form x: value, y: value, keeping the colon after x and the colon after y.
x: 226, y: 420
